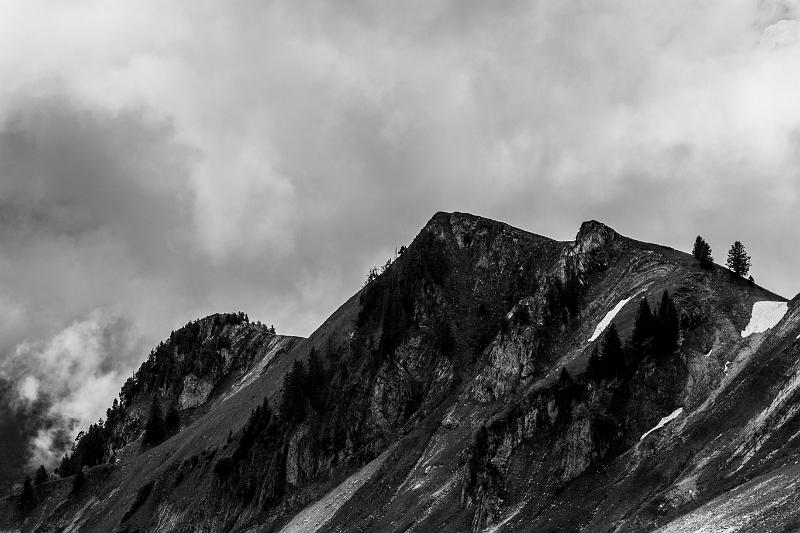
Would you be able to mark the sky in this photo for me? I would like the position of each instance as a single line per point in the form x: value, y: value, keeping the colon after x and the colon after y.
x: 161, y: 161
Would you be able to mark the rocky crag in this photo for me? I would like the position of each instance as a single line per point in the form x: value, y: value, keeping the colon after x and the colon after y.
x: 471, y: 386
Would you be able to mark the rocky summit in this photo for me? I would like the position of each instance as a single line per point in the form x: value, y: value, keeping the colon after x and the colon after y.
x: 487, y: 380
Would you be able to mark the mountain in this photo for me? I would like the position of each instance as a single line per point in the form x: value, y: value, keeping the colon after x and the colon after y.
x: 474, y: 385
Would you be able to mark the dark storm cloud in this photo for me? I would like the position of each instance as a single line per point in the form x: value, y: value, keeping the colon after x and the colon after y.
x: 165, y: 161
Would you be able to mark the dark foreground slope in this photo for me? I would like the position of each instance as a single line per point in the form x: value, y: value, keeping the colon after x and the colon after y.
x: 440, y: 403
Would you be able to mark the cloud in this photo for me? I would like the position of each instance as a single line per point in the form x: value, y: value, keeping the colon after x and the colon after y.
x: 162, y: 162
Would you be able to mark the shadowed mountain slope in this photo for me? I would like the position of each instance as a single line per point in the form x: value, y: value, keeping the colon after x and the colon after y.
x: 458, y: 391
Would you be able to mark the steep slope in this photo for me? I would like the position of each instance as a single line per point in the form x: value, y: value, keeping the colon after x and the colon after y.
x: 455, y: 393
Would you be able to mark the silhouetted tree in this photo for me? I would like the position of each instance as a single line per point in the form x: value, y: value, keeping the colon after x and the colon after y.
x: 613, y: 360
x: 738, y: 260
x: 316, y: 386
x: 89, y: 449
x: 564, y: 377
x: 594, y: 368
x: 259, y: 420
x: 702, y: 252
x: 372, y: 275
x: 28, y: 497
x: 667, y: 331
x: 154, y: 429
x: 642, y: 326
x: 445, y: 340
x: 41, y: 476
x: 293, y: 405
x: 78, y: 482
x: 172, y: 422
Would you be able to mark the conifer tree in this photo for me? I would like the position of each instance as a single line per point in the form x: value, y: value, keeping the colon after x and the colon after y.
x: 78, y: 482
x: 738, y: 260
x: 28, y: 497
x: 642, y: 326
x: 41, y: 476
x: 594, y: 368
x: 316, y: 383
x: 154, y: 429
x: 667, y: 331
x: 293, y: 405
x: 564, y: 377
x: 702, y: 252
x: 172, y: 422
x: 613, y: 356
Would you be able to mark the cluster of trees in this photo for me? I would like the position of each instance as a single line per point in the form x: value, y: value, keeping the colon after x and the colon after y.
x: 374, y: 272
x: 303, y: 387
x: 390, y: 297
x: 93, y: 446
x: 89, y: 449
x: 260, y: 423
x: 158, y: 426
x: 201, y: 351
x: 738, y: 260
x: 655, y: 333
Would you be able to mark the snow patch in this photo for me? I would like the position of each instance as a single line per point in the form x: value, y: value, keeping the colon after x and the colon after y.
x: 664, y: 421
x: 765, y: 316
x: 725, y: 370
x: 709, y: 352
x: 609, y: 317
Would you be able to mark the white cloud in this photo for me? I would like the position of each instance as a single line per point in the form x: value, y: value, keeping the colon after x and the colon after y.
x: 259, y: 156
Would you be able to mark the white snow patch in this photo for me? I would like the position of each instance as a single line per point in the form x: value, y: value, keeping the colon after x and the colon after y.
x: 664, y: 421
x: 764, y: 316
x: 725, y: 370
x: 709, y: 352
x: 609, y: 317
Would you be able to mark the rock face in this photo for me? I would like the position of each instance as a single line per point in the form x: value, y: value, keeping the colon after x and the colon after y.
x: 455, y: 393
x: 195, y: 392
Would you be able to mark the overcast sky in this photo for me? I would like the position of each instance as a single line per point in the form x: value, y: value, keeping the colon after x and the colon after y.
x: 160, y: 161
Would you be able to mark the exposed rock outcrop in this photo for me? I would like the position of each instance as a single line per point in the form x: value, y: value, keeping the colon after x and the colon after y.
x: 452, y: 394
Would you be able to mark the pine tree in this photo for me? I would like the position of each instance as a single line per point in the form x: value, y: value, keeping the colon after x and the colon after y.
x: 28, y: 497
x: 172, y: 422
x: 316, y: 387
x: 702, y: 252
x: 667, y: 331
x: 594, y: 369
x: 642, y: 326
x: 78, y: 482
x: 154, y: 429
x: 293, y: 405
x: 738, y: 260
x: 41, y: 476
x: 613, y: 355
x: 564, y: 378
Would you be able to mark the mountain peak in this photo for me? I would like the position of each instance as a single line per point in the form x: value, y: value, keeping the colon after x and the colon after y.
x: 593, y: 234
x: 465, y: 381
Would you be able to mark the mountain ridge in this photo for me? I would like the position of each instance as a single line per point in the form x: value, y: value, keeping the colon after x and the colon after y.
x: 450, y: 367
